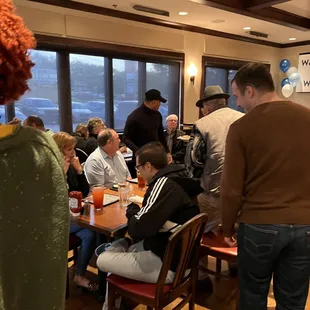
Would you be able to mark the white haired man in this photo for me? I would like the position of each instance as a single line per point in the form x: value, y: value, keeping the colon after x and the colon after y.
x: 177, y: 147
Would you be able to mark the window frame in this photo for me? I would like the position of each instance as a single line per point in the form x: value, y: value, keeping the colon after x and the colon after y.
x: 66, y: 46
x: 222, y: 63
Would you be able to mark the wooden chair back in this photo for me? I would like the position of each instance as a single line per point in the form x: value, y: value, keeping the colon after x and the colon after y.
x: 187, y: 239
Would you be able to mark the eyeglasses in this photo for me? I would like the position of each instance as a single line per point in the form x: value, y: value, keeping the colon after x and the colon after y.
x: 139, y: 166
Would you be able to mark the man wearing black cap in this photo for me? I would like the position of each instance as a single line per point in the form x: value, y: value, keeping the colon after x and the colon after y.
x: 145, y: 124
x: 206, y: 149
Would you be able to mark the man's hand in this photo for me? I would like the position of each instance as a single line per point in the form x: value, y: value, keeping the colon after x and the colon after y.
x: 123, y: 149
x: 230, y: 241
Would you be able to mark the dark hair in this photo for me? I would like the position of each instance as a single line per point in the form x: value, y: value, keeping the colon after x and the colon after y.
x: 33, y: 119
x: 154, y: 153
x: 256, y: 75
x: 81, y: 130
x: 104, y: 136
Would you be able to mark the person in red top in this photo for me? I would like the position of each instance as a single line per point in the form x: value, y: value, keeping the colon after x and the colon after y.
x: 266, y: 184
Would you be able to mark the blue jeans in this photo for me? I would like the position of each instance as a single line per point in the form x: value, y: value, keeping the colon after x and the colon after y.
x: 281, y: 251
x: 88, y: 244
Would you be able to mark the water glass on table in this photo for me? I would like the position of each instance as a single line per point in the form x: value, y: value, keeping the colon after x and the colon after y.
x: 123, y: 190
x: 98, y: 195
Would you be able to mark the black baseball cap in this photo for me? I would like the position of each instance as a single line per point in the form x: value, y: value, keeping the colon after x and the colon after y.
x: 154, y: 94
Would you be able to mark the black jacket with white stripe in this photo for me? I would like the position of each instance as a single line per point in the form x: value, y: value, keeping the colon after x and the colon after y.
x: 167, y: 204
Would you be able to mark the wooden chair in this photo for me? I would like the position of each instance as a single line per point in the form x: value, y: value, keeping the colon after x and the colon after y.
x: 74, y: 243
x: 214, y: 245
x: 160, y: 295
x: 81, y: 155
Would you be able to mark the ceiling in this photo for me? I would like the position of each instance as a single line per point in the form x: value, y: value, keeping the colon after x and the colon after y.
x: 228, y: 16
x: 208, y: 17
x: 298, y: 7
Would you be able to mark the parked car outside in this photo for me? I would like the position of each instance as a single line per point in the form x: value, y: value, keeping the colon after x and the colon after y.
x: 18, y: 114
x: 97, y: 108
x: 80, y: 112
x: 51, y: 111
x: 27, y: 110
x: 124, y: 108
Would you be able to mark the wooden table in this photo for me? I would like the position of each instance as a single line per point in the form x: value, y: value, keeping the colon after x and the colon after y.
x: 110, y: 219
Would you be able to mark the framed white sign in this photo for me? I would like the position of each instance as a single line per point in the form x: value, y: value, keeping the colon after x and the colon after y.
x: 304, y: 71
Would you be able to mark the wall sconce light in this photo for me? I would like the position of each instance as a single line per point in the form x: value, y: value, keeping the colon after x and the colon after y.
x: 192, y: 71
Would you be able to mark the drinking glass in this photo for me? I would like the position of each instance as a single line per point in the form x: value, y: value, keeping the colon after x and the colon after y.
x: 141, y: 181
x: 98, y: 194
x: 123, y: 190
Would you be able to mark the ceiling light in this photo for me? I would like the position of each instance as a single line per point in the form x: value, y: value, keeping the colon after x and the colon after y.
x: 183, y: 13
x: 292, y: 39
x: 247, y: 28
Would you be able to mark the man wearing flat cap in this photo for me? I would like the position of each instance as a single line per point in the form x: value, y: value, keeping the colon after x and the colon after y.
x: 206, y: 149
x: 145, y: 124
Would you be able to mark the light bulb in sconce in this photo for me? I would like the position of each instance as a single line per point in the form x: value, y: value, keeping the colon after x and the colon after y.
x: 192, y: 71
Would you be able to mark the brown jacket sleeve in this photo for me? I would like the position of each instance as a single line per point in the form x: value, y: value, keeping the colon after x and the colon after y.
x: 232, y: 182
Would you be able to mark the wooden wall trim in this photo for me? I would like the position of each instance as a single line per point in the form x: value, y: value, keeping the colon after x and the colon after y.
x: 105, y: 49
x: 295, y: 44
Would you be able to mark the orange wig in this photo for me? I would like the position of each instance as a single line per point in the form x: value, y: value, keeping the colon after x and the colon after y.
x: 15, y: 63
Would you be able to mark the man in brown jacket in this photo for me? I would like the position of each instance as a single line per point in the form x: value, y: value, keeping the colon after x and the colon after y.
x: 266, y: 181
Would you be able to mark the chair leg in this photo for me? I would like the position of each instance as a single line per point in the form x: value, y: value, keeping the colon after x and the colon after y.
x: 111, y: 297
x: 75, y: 255
x: 67, y: 285
x: 218, y: 267
x: 191, y: 304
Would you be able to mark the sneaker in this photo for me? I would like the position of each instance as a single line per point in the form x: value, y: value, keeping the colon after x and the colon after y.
x: 101, y: 248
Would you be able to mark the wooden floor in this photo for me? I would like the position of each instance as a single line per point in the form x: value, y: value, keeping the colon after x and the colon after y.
x: 222, y: 298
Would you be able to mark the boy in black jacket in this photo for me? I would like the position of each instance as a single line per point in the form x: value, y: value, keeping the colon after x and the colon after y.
x: 166, y: 206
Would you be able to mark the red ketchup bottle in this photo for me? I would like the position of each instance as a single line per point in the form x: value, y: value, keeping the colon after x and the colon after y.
x: 75, y: 202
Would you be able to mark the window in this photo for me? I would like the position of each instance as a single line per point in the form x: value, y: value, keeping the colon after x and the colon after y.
x: 2, y: 114
x: 42, y: 99
x: 165, y: 78
x: 101, y: 80
x: 125, y: 90
x: 220, y: 71
x: 87, y: 88
x: 223, y: 78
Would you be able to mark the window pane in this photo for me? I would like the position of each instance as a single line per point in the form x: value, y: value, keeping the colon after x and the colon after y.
x: 125, y: 90
x: 216, y: 76
x: 87, y: 88
x: 165, y: 78
x: 3, y: 114
x: 42, y: 99
x: 232, y: 100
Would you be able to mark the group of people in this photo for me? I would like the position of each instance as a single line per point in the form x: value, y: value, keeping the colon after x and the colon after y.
x: 248, y: 169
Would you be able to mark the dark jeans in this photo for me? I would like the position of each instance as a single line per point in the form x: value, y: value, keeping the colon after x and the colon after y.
x: 88, y: 243
x: 281, y: 251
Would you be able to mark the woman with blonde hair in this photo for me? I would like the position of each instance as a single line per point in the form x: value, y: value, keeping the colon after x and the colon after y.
x: 34, y: 213
x: 77, y: 182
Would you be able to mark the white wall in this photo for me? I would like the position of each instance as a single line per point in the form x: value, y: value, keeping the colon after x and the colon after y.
x: 51, y: 20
